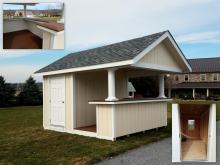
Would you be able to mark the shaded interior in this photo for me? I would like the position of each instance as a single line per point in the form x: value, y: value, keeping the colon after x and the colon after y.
x: 194, y: 130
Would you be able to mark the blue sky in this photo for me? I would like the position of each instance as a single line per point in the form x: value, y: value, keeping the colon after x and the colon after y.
x: 39, y: 6
x: 194, y: 24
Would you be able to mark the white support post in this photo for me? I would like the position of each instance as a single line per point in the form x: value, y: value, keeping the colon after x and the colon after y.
x: 25, y: 10
x: 193, y: 93
x: 161, y: 86
x: 111, y: 85
x: 207, y: 92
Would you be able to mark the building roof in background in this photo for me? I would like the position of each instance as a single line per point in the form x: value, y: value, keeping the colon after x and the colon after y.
x: 117, y: 52
x: 131, y: 87
x: 205, y: 65
x: 196, y: 85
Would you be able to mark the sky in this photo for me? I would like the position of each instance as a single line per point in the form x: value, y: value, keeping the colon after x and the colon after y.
x: 195, y: 25
x: 39, y: 6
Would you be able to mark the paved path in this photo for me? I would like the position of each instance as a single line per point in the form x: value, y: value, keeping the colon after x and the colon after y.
x: 155, y: 153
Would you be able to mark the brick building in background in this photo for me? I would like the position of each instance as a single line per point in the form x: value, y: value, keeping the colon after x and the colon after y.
x: 202, y: 83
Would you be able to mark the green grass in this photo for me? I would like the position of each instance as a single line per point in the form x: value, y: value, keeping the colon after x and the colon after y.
x: 23, y: 141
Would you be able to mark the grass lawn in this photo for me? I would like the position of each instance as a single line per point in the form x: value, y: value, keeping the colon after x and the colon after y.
x: 23, y: 140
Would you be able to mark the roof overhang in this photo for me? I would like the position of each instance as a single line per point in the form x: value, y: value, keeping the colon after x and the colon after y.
x: 132, y: 62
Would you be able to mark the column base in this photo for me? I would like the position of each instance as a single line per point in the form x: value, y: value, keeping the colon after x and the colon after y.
x: 111, y: 99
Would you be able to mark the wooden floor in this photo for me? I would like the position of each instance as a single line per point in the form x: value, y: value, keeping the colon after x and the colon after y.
x: 91, y: 128
x: 194, y: 150
x: 23, y: 39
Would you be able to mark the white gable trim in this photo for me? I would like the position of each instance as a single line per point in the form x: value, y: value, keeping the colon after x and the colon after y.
x: 128, y: 62
x: 157, y: 42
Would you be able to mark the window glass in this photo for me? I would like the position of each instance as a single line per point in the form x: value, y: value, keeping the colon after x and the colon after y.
x: 176, y: 78
x: 191, y: 124
x: 203, y: 77
x: 186, y: 77
x: 215, y: 77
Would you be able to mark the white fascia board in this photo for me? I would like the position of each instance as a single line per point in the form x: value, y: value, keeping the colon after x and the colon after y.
x: 180, y: 52
x: 158, y: 41
x: 50, y: 31
x: 94, y: 67
x: 129, y: 102
x: 157, y: 67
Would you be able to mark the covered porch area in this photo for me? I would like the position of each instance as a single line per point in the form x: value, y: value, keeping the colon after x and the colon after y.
x: 105, y: 110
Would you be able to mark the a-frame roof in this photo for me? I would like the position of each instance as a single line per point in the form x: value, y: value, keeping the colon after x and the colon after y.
x: 106, y: 56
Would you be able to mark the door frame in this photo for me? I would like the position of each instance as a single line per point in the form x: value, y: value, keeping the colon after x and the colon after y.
x: 211, y: 147
x: 176, y: 135
x: 56, y: 126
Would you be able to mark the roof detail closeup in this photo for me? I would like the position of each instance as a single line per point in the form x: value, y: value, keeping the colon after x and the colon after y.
x: 203, y: 65
x: 117, y: 52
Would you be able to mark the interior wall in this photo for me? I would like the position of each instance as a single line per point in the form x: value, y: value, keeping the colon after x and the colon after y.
x: 14, y: 25
x: 204, y: 126
x: 199, y: 113
x: 94, y: 86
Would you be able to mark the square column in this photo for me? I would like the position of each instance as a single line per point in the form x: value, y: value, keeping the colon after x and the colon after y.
x: 111, y: 85
x: 161, y: 86
x: 207, y: 92
x: 193, y: 93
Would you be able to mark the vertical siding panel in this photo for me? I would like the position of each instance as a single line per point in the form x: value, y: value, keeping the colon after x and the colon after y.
x: 132, y: 118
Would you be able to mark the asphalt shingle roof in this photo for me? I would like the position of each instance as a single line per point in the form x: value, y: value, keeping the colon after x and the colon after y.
x: 205, y: 65
x: 121, y: 51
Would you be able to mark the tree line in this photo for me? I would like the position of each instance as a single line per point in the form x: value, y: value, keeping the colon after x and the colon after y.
x: 29, y: 95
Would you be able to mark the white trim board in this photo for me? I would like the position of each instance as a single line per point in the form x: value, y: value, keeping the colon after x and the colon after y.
x: 129, y: 102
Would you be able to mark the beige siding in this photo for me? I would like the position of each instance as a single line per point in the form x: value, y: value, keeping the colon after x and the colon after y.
x: 160, y: 55
x: 132, y: 118
x: 89, y: 86
x: 46, y: 105
x: 69, y: 102
x: 94, y: 86
x: 104, y: 121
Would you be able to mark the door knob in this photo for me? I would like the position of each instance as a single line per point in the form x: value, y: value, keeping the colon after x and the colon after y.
x: 62, y: 101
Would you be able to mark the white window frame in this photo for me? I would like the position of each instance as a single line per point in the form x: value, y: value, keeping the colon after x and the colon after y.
x: 214, y: 76
x: 185, y: 77
x: 201, y: 77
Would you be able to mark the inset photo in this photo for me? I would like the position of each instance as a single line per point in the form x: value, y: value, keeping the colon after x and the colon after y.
x: 33, y: 25
x: 194, y: 132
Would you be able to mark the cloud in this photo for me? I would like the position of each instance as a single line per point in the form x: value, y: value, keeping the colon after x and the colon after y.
x: 107, y: 22
x: 201, y: 37
x: 18, y: 73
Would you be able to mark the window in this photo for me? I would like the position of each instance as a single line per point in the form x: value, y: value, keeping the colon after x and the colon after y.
x: 203, y: 77
x: 176, y: 78
x: 215, y: 77
x: 186, y: 77
x: 191, y: 124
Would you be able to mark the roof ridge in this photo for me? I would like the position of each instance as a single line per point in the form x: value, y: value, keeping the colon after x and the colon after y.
x: 203, y: 58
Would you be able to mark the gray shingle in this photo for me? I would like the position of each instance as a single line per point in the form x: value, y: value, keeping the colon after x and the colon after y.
x: 121, y: 51
x: 184, y: 85
x: 205, y: 65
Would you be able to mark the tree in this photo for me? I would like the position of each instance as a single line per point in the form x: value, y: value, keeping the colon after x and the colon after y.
x: 7, y: 93
x: 30, y: 94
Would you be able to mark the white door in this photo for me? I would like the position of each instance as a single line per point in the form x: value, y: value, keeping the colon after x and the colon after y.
x: 57, y: 100
x: 176, y: 136
x: 212, y: 134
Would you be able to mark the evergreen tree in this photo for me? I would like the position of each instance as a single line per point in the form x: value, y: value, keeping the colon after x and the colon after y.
x: 7, y: 93
x: 30, y: 94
